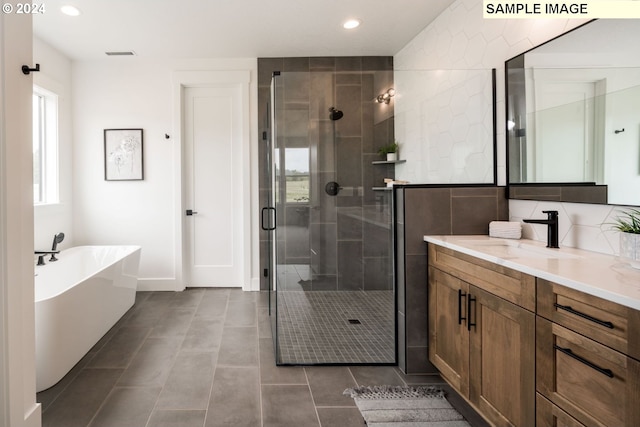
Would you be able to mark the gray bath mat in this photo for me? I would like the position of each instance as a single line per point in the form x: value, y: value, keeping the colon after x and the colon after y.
x: 387, y: 406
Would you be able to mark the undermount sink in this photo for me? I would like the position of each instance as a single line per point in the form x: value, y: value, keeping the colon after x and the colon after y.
x: 516, y: 249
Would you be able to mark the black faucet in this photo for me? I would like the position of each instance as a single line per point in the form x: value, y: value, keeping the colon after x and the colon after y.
x: 552, y: 227
x: 41, y: 255
x: 56, y: 239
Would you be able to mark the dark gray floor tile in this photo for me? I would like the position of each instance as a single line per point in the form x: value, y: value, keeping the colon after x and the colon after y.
x: 432, y: 379
x: 189, y: 382
x: 235, y: 398
x: 376, y: 375
x: 174, y: 322
x: 464, y: 408
x: 127, y: 406
x: 189, y: 298
x: 152, y: 363
x: 340, y: 417
x: 241, y: 313
x: 327, y: 384
x: 46, y: 397
x: 204, y: 334
x: 213, y: 304
x: 237, y: 294
x: 272, y: 374
x: 264, y: 323
x: 121, y: 349
x: 82, y: 398
x: 239, y: 347
x: 288, y: 406
x: 181, y: 418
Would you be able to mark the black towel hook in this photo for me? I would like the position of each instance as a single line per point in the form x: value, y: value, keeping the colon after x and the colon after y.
x: 26, y: 70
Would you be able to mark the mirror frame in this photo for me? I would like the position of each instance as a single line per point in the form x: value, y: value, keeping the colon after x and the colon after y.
x: 573, y: 192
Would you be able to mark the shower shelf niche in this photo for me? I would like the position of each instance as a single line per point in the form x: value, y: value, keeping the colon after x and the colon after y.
x: 387, y: 162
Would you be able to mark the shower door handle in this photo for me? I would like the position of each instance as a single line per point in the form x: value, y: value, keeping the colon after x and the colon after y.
x: 262, y: 222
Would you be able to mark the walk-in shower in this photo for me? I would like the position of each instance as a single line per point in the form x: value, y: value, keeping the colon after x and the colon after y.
x: 331, y: 270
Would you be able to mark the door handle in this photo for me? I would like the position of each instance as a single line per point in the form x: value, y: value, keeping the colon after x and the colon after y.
x: 470, y: 300
x: 191, y: 212
x: 271, y: 226
x: 460, y: 296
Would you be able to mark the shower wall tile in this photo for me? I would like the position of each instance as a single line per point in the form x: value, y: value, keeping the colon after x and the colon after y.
x: 375, y: 63
x: 350, y: 266
x: 320, y: 63
x: 348, y: 98
x: 321, y: 95
x: 427, y: 211
x: 424, y: 210
x: 350, y: 225
x: 377, y: 240
x: 348, y: 63
x: 349, y: 162
x: 377, y: 274
x: 266, y: 67
x: 299, y: 64
x: 318, y: 84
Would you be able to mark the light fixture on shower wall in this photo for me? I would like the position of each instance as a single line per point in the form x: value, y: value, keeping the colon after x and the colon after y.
x: 385, y: 98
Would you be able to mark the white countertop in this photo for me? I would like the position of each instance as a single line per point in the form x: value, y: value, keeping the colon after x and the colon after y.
x: 600, y: 275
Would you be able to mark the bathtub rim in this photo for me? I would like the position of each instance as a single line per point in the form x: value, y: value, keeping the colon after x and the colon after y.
x: 131, y: 249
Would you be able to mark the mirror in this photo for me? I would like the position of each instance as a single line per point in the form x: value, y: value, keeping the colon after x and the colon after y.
x: 573, y: 117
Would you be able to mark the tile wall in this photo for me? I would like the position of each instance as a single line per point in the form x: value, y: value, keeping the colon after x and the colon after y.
x: 422, y: 210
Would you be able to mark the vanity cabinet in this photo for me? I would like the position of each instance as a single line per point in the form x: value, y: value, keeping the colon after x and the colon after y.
x: 482, y: 334
x: 586, y: 356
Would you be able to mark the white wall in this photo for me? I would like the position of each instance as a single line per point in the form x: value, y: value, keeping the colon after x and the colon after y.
x: 55, y: 76
x: 460, y: 48
x: 461, y: 40
x: 136, y: 93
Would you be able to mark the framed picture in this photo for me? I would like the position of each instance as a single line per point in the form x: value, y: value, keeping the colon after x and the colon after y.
x: 123, y: 154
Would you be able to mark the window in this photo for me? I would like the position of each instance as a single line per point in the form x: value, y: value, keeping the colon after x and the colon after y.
x: 45, y: 146
x: 297, y: 174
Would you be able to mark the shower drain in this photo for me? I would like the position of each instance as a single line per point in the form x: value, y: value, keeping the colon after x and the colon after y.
x: 355, y: 321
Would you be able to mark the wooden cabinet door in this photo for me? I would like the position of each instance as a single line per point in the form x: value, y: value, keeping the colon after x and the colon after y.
x: 593, y: 383
x: 502, y: 360
x: 448, y: 335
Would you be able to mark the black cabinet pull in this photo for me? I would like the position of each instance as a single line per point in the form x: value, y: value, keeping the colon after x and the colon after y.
x: 584, y: 316
x: 571, y: 354
x: 470, y: 299
x: 460, y: 296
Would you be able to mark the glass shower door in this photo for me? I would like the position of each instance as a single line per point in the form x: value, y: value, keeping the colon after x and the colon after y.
x: 328, y: 310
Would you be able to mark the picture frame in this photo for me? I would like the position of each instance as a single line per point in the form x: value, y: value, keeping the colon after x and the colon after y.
x: 123, y: 155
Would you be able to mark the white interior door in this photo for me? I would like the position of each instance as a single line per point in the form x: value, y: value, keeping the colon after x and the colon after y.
x: 565, y: 129
x: 213, y: 177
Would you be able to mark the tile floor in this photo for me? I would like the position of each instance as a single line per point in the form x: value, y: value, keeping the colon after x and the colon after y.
x: 314, y: 327
x: 204, y: 358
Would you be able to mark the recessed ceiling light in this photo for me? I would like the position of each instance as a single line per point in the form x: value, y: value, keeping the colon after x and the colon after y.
x: 351, y: 24
x: 70, y: 10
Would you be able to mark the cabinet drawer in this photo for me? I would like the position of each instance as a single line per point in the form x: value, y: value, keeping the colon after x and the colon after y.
x: 594, y: 384
x: 514, y: 286
x: 549, y: 415
x: 611, y: 324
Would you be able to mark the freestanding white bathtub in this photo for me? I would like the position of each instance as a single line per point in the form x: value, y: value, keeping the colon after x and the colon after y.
x: 77, y: 300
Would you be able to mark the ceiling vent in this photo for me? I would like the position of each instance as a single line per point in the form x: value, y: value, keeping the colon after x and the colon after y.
x: 122, y: 53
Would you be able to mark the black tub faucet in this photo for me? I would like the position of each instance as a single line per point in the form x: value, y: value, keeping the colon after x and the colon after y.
x: 41, y: 255
x: 552, y: 227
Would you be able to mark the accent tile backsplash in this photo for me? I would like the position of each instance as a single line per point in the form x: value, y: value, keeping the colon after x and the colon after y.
x: 581, y: 225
